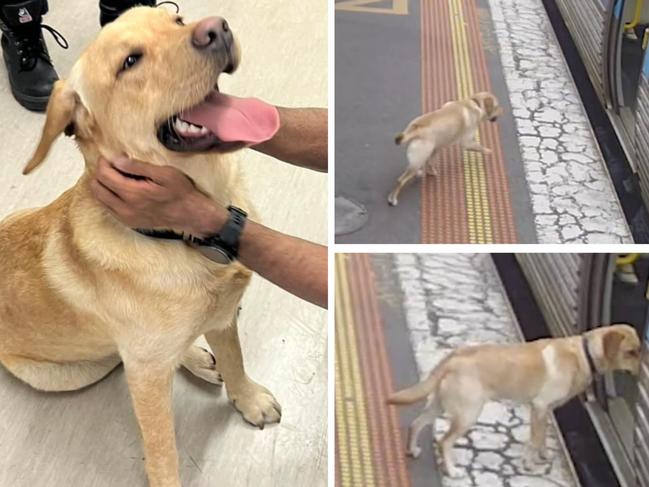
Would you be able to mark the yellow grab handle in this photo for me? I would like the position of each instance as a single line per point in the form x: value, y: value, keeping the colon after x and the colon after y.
x: 626, y: 259
x: 636, y: 17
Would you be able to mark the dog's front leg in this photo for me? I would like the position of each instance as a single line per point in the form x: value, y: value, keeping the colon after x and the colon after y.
x: 150, y: 384
x: 474, y: 145
x: 255, y: 403
x: 538, y: 426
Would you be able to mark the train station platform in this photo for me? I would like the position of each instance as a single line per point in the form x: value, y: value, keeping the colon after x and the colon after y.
x: 398, y: 315
x: 546, y: 180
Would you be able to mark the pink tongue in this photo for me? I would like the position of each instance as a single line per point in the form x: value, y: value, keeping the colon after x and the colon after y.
x: 234, y: 119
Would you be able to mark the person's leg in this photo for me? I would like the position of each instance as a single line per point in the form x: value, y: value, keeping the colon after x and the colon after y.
x: 30, y: 70
x: 109, y: 10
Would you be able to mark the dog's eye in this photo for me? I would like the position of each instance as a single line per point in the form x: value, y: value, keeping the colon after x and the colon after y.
x: 179, y: 21
x: 131, y: 60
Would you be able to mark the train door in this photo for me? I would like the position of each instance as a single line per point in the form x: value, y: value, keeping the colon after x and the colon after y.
x: 619, y: 290
x: 627, y: 40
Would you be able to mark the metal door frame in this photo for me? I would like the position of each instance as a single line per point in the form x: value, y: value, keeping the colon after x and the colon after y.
x: 611, y: 54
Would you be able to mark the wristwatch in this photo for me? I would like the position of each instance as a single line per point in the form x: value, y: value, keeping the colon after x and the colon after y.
x: 222, y: 248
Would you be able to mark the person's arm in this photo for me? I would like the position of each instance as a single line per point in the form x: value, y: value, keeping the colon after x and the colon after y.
x: 298, y: 266
x: 163, y: 197
x: 301, y: 139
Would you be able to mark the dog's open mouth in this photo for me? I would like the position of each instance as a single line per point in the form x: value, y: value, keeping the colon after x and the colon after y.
x: 220, y: 123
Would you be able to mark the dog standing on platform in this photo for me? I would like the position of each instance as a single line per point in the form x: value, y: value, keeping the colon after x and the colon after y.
x: 544, y: 373
x: 456, y: 122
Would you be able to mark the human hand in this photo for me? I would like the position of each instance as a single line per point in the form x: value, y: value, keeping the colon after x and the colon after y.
x: 143, y: 195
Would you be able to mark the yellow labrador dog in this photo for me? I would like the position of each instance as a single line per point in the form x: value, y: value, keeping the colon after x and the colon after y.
x: 456, y: 122
x: 80, y: 292
x: 543, y: 373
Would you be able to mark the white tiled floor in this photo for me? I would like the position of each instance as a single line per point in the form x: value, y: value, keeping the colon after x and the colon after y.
x: 90, y: 438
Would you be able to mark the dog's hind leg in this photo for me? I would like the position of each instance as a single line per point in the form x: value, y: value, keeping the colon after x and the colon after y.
x: 201, y: 363
x: 255, y: 403
x: 404, y: 179
x: 431, y: 165
x: 418, y: 153
x: 462, y: 401
x: 461, y: 421
x: 58, y: 377
x: 427, y: 417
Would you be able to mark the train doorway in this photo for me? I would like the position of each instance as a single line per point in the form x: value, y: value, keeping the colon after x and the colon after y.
x: 628, y: 304
x: 615, y: 291
x: 628, y: 38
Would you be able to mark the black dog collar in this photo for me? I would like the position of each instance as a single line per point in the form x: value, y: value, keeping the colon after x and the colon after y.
x: 589, y: 357
x: 222, y: 247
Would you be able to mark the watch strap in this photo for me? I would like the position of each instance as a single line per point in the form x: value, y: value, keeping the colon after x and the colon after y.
x: 228, y: 237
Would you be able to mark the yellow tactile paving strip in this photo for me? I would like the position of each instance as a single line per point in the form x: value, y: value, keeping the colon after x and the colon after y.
x: 368, y: 441
x: 468, y: 202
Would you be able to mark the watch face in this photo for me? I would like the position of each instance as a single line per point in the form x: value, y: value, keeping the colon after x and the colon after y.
x: 215, y: 255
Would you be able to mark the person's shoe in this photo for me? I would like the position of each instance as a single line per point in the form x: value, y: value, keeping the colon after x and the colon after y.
x: 109, y: 10
x: 31, y: 74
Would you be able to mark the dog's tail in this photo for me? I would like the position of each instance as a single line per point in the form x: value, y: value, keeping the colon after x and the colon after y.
x: 405, y: 136
x: 420, y: 390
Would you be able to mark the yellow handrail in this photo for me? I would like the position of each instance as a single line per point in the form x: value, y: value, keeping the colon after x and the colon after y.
x: 636, y: 17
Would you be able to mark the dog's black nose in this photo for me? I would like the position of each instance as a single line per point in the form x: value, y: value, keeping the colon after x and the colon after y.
x: 212, y: 33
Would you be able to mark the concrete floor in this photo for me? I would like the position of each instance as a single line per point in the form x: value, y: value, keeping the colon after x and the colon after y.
x: 90, y: 438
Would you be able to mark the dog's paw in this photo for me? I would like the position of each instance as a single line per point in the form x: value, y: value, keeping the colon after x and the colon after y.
x: 414, y: 452
x: 256, y: 404
x: 453, y: 472
x: 392, y: 201
x: 202, y: 363
x: 532, y: 458
x: 431, y: 171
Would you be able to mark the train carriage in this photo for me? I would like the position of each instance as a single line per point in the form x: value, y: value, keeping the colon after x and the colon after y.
x: 612, y: 37
x: 579, y: 292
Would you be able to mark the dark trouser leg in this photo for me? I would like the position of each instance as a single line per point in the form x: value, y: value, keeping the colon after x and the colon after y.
x: 109, y: 10
x: 28, y: 63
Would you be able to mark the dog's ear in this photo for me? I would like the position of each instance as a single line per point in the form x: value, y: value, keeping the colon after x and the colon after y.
x: 59, y: 119
x: 611, y: 342
x: 489, y: 105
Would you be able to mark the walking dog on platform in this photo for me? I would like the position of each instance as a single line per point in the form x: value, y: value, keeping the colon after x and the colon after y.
x: 544, y: 373
x: 456, y: 122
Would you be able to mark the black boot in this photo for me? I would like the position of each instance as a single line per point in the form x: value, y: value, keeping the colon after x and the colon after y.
x: 30, y: 69
x: 109, y: 10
